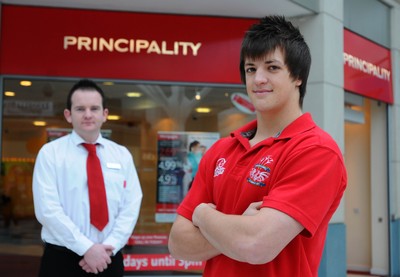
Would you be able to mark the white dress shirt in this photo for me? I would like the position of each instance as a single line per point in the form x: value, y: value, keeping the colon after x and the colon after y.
x: 61, y: 197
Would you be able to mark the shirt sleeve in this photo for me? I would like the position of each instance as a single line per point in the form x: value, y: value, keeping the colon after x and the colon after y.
x: 48, y: 208
x: 309, y: 185
x: 129, y: 206
x: 201, y: 190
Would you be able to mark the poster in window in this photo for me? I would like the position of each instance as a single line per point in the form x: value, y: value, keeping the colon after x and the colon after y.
x: 179, y: 155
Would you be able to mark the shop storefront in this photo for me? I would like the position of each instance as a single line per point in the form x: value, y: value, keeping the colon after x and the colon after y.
x: 369, y: 92
x: 169, y: 81
x: 173, y: 80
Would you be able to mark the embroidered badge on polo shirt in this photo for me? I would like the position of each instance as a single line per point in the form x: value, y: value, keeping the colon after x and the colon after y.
x: 219, y: 167
x: 260, y: 172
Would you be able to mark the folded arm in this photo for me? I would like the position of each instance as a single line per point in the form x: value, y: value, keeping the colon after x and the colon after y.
x: 256, y: 237
x: 187, y: 243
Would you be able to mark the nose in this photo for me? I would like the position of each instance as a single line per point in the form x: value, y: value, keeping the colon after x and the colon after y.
x: 88, y: 112
x: 260, y: 77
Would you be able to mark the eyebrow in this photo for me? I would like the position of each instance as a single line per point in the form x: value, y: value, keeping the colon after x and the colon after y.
x: 91, y: 106
x: 266, y: 62
x: 273, y: 61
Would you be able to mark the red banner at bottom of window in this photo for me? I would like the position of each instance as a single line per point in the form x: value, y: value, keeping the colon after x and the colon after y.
x: 158, y: 262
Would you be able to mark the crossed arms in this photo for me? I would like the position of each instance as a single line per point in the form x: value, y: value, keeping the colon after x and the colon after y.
x: 256, y: 237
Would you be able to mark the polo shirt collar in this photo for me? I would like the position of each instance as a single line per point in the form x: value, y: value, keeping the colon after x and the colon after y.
x: 301, y: 124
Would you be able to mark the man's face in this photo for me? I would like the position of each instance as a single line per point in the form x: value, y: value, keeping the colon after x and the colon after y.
x: 269, y: 84
x: 87, y: 114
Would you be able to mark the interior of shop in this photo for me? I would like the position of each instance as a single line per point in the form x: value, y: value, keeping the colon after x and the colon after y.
x: 33, y: 113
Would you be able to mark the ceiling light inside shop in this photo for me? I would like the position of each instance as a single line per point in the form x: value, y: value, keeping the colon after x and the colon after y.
x: 197, y: 96
x: 9, y: 93
x: 108, y: 83
x: 25, y: 83
x: 356, y: 108
x: 133, y: 94
x: 203, y: 110
x: 113, y: 117
x: 39, y: 123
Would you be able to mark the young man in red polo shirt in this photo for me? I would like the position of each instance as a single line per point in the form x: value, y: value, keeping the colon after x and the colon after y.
x: 262, y: 199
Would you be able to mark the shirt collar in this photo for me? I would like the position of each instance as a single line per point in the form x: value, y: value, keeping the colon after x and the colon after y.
x: 76, y: 139
x: 301, y: 124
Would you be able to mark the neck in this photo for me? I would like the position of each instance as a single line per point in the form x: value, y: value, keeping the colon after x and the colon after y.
x: 271, y: 126
x: 89, y: 137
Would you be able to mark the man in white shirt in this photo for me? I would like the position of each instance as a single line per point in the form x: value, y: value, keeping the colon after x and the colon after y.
x: 73, y: 245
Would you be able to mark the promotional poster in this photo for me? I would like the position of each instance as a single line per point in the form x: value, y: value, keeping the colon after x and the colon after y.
x: 179, y: 155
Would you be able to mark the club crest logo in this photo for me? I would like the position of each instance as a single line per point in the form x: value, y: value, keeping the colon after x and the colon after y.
x: 219, y: 167
x: 260, y: 172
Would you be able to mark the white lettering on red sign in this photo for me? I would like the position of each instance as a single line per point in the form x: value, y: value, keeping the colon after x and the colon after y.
x: 366, y: 67
x: 149, y: 262
x: 123, y: 45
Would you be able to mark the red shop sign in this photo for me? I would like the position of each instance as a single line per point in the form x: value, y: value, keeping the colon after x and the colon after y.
x: 120, y: 45
x: 158, y: 262
x: 367, y: 68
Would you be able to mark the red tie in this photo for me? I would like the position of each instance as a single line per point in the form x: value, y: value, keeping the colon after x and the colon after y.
x: 97, y: 191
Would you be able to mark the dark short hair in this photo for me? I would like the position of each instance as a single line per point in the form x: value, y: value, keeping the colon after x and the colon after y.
x: 273, y: 32
x: 85, y: 84
x: 193, y: 144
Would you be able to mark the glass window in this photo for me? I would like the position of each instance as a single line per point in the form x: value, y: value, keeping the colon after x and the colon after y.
x: 33, y: 114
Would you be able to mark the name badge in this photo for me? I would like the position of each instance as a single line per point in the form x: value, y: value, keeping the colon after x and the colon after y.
x: 113, y: 165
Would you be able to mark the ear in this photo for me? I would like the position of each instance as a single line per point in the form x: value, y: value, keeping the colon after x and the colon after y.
x: 298, y: 82
x: 105, y: 114
x: 67, y: 115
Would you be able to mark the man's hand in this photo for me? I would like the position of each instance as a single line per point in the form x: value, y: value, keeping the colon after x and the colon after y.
x: 253, y: 208
x: 97, y: 258
x: 199, y: 210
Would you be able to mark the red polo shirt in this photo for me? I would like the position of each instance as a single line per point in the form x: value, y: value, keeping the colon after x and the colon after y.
x: 301, y: 173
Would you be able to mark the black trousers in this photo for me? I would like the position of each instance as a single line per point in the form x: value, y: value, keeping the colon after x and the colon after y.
x: 62, y: 262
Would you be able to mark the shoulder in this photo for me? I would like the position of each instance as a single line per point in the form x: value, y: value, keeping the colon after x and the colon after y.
x: 54, y: 150
x: 304, y: 132
x: 317, y: 139
x: 323, y: 139
x: 223, y: 145
x: 317, y: 149
x: 56, y: 143
x: 221, y: 150
x: 113, y: 147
